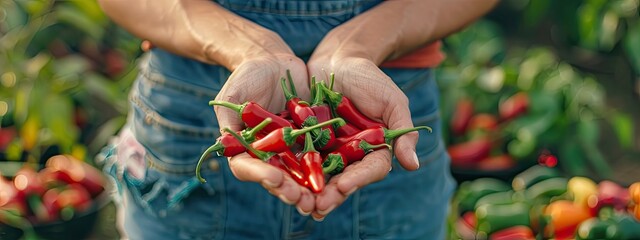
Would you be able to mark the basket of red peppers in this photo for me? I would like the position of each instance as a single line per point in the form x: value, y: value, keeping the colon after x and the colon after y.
x: 59, y: 200
x: 309, y: 140
x: 541, y: 203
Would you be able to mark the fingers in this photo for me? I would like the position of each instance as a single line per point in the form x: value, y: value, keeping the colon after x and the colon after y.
x: 374, y: 167
x: 274, y: 180
x: 398, y: 116
x: 249, y: 169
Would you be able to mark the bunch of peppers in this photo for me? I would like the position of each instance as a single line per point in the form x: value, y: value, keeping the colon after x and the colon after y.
x: 476, y: 140
x: 61, y: 190
x: 309, y: 140
x: 540, y: 203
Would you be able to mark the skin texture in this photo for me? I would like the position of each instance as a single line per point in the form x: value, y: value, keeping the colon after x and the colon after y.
x: 258, y: 58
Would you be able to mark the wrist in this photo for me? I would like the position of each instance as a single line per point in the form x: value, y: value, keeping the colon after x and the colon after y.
x: 268, y: 46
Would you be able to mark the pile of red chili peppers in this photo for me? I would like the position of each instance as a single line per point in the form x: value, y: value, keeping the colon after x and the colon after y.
x: 309, y: 139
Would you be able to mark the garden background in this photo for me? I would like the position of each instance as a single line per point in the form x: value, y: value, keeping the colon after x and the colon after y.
x: 65, y: 71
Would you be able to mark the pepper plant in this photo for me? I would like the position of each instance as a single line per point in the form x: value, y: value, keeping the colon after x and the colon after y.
x: 563, y: 111
x: 63, y: 81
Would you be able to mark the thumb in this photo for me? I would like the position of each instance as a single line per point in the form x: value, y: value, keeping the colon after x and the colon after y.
x: 397, y: 117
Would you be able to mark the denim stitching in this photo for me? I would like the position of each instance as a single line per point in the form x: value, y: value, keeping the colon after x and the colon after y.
x: 153, y: 118
x: 181, y: 85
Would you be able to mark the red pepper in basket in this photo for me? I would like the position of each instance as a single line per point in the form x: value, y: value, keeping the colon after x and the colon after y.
x: 311, y: 165
x: 285, y: 157
x: 379, y: 135
x: 345, y: 109
x: 253, y: 114
x: 228, y: 146
x: 348, y: 153
x: 279, y: 140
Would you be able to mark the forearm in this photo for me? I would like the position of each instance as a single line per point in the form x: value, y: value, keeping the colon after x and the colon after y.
x: 197, y: 29
x: 394, y: 28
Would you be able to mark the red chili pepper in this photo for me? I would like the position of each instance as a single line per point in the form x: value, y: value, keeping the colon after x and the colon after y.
x: 70, y: 170
x: 279, y: 140
x: 7, y: 191
x: 294, y: 168
x: 326, y: 139
x: 514, y: 106
x: 461, y: 116
x: 287, y: 158
x: 311, y: 165
x: 253, y: 114
x: 468, y: 154
x: 228, y: 146
x: 348, y: 153
x: 496, y: 163
x: 299, y: 110
x: 72, y: 200
x: 345, y: 109
x: 27, y: 182
x: 347, y: 130
x: 518, y: 232
x: 379, y: 135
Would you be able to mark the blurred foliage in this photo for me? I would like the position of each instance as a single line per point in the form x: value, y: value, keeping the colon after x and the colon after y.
x: 494, y: 59
x: 66, y: 70
x: 64, y: 74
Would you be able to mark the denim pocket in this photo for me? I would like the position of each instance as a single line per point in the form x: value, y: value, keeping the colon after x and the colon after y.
x: 191, y: 209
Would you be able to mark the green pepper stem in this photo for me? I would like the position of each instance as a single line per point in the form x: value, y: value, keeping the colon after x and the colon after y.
x: 390, y: 134
x: 235, y: 107
x: 367, y: 147
x: 250, y: 135
x: 332, y: 79
x: 260, y: 154
x: 213, y: 148
x: 318, y: 97
x: 334, y: 98
x: 335, y: 165
x: 298, y: 132
x: 293, y: 86
x: 308, y: 143
x: 288, y: 94
x: 313, y: 88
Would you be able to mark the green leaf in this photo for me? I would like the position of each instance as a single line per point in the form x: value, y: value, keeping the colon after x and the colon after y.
x: 105, y: 132
x: 109, y: 91
x: 631, y: 46
x: 74, y: 17
x: 597, y: 160
x: 572, y: 159
x: 623, y: 126
x: 91, y: 9
x: 589, y: 131
x: 57, y: 116
x: 71, y: 66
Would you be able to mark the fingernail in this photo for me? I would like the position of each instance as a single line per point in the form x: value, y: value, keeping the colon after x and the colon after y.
x: 415, y: 159
x: 303, y: 213
x: 352, y: 191
x: 317, y: 219
x: 285, y: 200
x: 326, y: 211
x: 269, y: 183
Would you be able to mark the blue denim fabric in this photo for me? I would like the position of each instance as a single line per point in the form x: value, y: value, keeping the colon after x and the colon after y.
x: 171, y: 124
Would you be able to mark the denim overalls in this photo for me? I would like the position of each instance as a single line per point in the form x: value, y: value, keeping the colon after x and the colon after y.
x: 170, y: 124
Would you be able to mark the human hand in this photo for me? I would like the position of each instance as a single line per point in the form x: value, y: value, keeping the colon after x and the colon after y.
x: 379, y: 98
x: 258, y: 80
